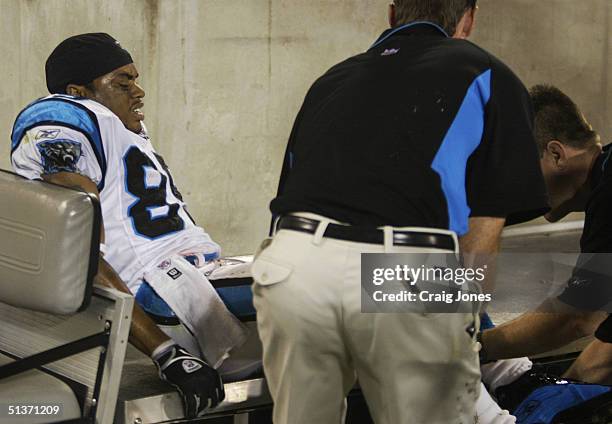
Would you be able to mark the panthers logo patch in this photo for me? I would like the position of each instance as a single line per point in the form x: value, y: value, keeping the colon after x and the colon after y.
x: 59, y: 155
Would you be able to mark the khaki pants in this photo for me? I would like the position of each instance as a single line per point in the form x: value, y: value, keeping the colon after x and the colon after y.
x: 412, y: 368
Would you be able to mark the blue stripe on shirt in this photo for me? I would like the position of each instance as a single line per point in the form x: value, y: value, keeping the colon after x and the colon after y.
x: 461, y: 140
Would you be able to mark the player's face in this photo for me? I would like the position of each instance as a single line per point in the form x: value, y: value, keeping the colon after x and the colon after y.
x: 119, y: 91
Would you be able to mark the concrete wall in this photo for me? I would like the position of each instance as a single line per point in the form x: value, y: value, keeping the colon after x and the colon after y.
x: 224, y: 79
x: 561, y: 42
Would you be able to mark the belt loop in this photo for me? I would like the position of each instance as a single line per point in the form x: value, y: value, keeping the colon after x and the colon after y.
x: 388, y: 240
x: 456, y: 241
x: 275, y: 224
x: 477, y: 309
x: 320, y: 232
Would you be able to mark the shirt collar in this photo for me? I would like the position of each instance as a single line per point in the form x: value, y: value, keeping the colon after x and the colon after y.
x: 411, y: 27
x: 143, y: 131
x: 600, y: 165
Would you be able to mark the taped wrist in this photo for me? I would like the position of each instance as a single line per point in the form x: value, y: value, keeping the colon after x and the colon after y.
x: 162, y: 349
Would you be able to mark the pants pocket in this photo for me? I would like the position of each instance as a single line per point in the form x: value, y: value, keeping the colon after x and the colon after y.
x: 267, y: 272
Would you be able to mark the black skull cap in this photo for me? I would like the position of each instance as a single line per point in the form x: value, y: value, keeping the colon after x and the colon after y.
x: 80, y: 59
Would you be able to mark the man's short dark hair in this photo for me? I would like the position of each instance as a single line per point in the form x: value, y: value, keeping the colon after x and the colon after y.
x: 558, y: 118
x: 446, y: 13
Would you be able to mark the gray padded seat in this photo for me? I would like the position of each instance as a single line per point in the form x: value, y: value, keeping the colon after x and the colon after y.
x: 35, y: 387
x: 44, y: 231
x: 48, y: 255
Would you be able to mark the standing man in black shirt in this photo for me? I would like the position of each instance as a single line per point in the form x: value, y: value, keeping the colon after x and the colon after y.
x: 424, y: 130
x: 579, y: 177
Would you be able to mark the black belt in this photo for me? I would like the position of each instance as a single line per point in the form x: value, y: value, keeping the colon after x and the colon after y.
x: 367, y: 235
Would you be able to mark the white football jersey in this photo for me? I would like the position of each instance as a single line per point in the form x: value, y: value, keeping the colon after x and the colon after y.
x: 145, y: 217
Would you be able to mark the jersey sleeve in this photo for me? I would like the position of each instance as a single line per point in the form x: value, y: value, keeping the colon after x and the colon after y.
x: 504, y: 178
x: 50, y: 149
x: 58, y: 135
x: 590, y: 286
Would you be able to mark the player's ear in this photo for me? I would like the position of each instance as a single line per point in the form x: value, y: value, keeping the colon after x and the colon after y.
x: 391, y: 15
x: 466, y: 24
x: 77, y: 90
x: 557, y: 153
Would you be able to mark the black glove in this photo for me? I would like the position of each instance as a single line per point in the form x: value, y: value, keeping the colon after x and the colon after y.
x: 197, y: 382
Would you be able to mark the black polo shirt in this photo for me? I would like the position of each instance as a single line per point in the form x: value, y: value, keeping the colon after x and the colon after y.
x: 590, y: 286
x: 420, y: 130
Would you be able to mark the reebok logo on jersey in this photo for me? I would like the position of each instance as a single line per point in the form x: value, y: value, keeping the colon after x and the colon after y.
x: 389, y: 52
x: 174, y: 273
x: 47, y: 134
x: 191, y: 366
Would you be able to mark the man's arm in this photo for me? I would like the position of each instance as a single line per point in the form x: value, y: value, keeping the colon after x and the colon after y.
x: 480, y: 245
x: 594, y: 365
x: 552, y: 325
x: 483, y: 236
x: 145, y: 335
x: 198, y: 384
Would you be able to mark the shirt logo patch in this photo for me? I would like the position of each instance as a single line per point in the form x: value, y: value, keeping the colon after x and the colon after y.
x: 174, y: 273
x: 59, y: 155
x: 577, y: 282
x: 190, y: 366
x: 47, y: 134
x: 389, y: 52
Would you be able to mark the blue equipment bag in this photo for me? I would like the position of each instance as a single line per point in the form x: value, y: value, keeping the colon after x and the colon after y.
x: 544, y: 404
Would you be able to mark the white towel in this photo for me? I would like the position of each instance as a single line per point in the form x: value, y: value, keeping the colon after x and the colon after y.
x: 196, y: 303
x: 224, y: 268
x: 505, y: 371
x: 488, y: 412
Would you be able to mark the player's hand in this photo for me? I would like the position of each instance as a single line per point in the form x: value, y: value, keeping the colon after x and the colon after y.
x: 197, y: 382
